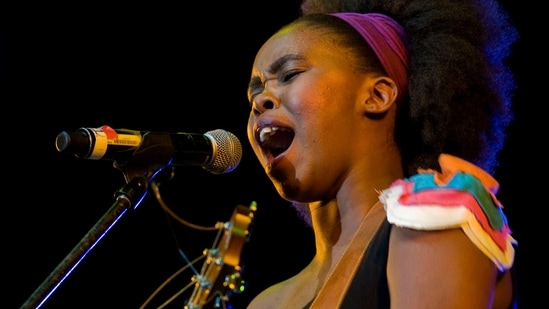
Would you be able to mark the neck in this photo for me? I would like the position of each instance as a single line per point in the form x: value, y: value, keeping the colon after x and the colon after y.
x: 335, y: 226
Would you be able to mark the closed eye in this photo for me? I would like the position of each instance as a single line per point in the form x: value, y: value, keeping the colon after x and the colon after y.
x: 288, y: 76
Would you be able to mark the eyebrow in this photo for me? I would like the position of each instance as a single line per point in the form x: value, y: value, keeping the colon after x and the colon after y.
x: 280, y: 62
x: 256, y: 82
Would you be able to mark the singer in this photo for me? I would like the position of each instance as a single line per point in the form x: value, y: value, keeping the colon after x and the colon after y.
x: 382, y: 125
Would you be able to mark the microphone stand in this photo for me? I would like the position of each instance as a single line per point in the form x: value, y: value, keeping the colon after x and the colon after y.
x: 147, y: 161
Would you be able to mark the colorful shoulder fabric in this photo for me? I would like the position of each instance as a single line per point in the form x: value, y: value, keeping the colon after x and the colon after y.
x: 464, y: 196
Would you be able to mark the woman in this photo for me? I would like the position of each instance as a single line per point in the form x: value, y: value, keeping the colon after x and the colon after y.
x: 384, y: 135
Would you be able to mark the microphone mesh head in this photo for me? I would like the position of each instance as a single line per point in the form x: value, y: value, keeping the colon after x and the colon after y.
x: 227, y: 152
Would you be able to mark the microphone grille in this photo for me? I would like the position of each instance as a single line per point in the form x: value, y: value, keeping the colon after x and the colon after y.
x: 227, y: 152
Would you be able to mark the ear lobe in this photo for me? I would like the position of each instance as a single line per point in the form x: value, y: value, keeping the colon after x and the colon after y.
x: 383, y: 95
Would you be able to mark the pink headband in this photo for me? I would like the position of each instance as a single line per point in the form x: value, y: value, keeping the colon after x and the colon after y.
x: 386, y: 37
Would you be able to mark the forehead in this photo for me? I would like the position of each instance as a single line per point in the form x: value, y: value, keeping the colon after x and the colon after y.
x: 308, y: 42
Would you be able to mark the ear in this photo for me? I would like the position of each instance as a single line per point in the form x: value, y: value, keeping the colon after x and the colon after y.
x: 382, y: 96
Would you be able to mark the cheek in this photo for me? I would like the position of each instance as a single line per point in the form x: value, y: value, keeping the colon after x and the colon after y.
x: 315, y: 103
x: 306, y: 98
x: 337, y: 100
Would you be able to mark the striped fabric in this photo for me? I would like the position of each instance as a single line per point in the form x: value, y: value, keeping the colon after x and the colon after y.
x: 463, y: 196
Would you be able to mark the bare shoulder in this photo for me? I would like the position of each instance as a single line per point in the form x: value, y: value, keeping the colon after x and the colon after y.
x: 438, y: 269
x: 270, y: 298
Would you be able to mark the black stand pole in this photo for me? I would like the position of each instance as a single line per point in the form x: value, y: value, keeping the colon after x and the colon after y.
x: 145, y: 164
x: 128, y: 195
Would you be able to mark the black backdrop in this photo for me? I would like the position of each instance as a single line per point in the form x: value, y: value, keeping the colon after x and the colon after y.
x: 173, y: 68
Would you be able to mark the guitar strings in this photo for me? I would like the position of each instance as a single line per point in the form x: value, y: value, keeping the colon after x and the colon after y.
x: 173, y: 276
x: 219, y: 226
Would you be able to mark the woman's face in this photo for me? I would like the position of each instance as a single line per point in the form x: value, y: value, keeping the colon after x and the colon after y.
x: 305, y: 112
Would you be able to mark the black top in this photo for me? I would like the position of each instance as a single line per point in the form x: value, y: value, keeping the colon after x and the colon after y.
x: 369, y: 288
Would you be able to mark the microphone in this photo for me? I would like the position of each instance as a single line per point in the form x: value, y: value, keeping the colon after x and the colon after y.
x: 216, y: 151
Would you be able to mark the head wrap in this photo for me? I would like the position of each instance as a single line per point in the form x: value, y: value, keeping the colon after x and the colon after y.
x: 387, y: 38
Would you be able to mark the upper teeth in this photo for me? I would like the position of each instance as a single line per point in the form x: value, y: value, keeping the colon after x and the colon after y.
x: 266, y: 132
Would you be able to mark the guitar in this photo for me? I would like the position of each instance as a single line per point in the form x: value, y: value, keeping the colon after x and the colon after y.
x: 221, y: 272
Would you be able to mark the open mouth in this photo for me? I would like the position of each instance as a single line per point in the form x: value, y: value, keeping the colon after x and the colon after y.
x: 274, y: 140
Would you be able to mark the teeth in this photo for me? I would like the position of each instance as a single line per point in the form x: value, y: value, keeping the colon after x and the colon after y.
x: 266, y: 132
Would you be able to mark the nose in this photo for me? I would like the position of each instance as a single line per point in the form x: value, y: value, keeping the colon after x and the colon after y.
x: 265, y: 101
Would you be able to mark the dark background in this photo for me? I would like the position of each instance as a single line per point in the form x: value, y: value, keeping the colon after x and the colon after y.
x: 177, y: 68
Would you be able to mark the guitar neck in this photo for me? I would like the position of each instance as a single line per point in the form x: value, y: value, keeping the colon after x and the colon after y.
x: 221, y: 272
